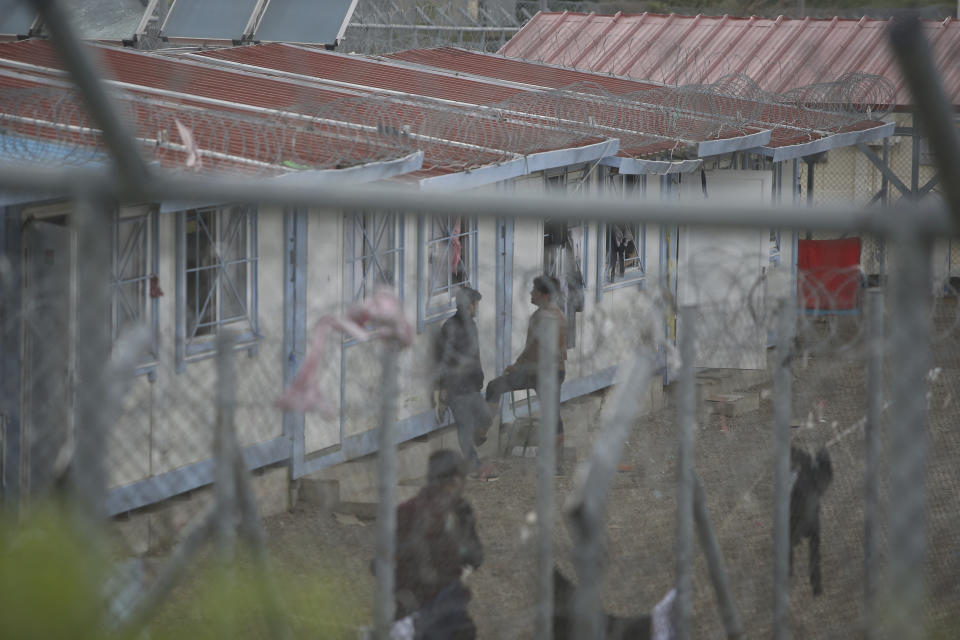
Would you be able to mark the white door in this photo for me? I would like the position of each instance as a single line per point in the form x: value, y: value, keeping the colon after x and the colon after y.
x: 721, y: 272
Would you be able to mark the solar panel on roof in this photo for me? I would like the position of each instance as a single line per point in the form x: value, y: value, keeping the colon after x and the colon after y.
x: 208, y: 19
x: 16, y: 17
x: 305, y: 21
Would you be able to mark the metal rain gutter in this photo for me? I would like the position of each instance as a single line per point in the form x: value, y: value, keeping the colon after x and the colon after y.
x: 826, y: 143
x: 750, y: 141
x: 521, y: 166
x: 638, y: 166
x: 357, y: 174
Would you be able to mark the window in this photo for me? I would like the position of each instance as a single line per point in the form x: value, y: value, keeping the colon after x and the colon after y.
x: 775, y: 246
x: 623, y: 246
x: 135, y: 288
x: 373, y: 254
x: 449, y: 245
x: 564, y: 257
x: 217, y: 276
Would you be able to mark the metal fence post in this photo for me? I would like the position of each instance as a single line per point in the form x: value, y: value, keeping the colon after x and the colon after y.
x: 88, y: 476
x: 384, y: 607
x: 686, y: 433
x: 549, y: 392
x: 910, y: 335
x: 586, y: 506
x: 224, y: 448
x: 872, y: 437
x: 718, y: 575
x: 783, y: 383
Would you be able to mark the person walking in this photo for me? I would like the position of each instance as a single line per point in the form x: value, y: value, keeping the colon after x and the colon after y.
x: 524, y: 372
x: 460, y: 378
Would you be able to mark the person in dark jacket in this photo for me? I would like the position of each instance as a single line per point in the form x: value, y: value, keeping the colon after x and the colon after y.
x: 436, y: 540
x: 460, y: 377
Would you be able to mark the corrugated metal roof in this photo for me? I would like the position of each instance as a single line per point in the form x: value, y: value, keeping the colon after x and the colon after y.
x: 789, y: 126
x: 495, y: 81
x: 40, y: 109
x: 778, y: 54
x: 466, y: 142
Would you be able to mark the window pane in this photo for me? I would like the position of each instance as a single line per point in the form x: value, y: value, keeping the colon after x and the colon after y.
x: 130, y: 272
x: 624, y: 249
x: 130, y: 305
x: 233, y: 276
x: 449, y: 258
x: 201, y: 271
x: 371, y: 253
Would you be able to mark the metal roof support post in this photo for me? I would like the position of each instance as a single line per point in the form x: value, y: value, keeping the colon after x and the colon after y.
x: 127, y: 161
x: 932, y: 106
x: 294, y: 325
x: 915, y: 157
x: 884, y: 181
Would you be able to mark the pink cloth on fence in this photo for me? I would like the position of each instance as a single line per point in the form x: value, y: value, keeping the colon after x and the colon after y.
x: 382, y: 314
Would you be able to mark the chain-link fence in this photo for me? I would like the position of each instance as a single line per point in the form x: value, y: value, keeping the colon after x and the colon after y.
x: 229, y: 384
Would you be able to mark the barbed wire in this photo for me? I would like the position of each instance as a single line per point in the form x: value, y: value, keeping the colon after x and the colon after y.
x: 51, y: 126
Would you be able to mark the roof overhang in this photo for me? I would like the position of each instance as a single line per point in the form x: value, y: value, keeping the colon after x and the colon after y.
x: 826, y: 143
x: 719, y: 147
x: 359, y: 174
x: 637, y: 166
x: 521, y: 166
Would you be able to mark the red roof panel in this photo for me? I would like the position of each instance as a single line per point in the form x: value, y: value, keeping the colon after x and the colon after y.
x: 779, y: 53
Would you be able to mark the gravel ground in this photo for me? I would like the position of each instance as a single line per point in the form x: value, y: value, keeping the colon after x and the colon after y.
x: 734, y: 463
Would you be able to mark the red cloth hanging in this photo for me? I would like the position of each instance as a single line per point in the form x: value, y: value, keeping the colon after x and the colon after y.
x: 829, y: 274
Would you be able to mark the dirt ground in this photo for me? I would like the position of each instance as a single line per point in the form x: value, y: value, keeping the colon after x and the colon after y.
x: 734, y: 463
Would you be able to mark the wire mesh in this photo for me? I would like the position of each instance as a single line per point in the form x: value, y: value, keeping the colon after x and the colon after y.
x: 210, y: 311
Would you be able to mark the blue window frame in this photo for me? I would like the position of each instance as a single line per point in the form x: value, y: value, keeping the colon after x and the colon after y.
x: 134, y: 299
x: 447, y: 262
x: 373, y: 254
x: 216, y: 278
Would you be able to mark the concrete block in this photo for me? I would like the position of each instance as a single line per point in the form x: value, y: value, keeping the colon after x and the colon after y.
x: 169, y: 518
x: 320, y: 493
x: 271, y: 487
x: 363, y: 503
x: 734, y: 404
x: 132, y: 530
x: 359, y: 476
